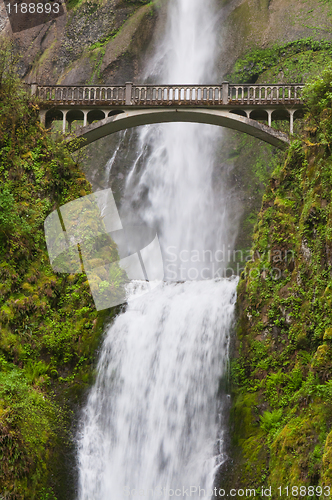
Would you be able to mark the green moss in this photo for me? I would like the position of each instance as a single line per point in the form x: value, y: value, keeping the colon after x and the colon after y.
x: 49, y: 328
x: 298, y: 68
x: 284, y: 362
x: 249, y: 438
x: 291, y: 62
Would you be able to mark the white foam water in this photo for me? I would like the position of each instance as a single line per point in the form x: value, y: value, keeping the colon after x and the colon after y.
x: 150, y: 425
x: 150, y: 422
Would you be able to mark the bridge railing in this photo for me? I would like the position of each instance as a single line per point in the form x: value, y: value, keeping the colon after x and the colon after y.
x: 216, y: 95
x: 115, y: 94
x: 261, y: 94
x: 154, y: 95
x: 168, y: 94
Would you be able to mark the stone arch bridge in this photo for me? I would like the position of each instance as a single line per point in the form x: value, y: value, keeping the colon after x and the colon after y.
x: 104, y: 109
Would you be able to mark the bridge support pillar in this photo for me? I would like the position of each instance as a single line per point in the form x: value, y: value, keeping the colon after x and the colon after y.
x: 42, y: 116
x: 291, y: 120
x: 85, y: 119
x: 33, y: 88
x: 64, y: 115
x: 269, y: 119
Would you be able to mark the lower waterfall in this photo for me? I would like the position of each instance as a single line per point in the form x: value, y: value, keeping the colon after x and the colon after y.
x: 151, y: 422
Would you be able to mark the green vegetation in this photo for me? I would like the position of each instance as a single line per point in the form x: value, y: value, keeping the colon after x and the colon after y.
x: 49, y: 328
x: 292, y: 62
x: 282, y: 374
x: 90, y: 6
x: 251, y: 161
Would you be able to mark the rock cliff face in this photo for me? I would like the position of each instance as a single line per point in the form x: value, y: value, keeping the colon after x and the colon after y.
x: 93, y: 42
x: 107, y: 41
x: 262, y: 23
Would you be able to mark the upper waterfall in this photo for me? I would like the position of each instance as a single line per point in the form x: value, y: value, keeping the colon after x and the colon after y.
x: 172, y: 182
x: 189, y: 49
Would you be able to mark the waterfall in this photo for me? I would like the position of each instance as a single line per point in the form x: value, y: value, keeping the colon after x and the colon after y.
x: 150, y: 426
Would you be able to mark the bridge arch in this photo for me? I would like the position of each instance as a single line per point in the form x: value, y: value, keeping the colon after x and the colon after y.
x: 239, y: 112
x: 53, y: 114
x: 115, y: 112
x: 74, y: 115
x: 95, y: 114
x: 138, y: 117
x: 259, y: 114
x: 68, y: 116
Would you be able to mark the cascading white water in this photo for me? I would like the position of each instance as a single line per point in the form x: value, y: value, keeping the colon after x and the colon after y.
x: 150, y: 424
x: 176, y: 161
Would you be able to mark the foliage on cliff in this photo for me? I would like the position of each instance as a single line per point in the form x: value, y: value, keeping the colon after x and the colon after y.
x: 251, y: 160
x: 49, y: 328
x: 292, y: 62
x: 283, y: 386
